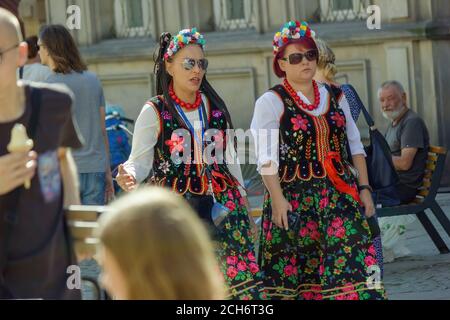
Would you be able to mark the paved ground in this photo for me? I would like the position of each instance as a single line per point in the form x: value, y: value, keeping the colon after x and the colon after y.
x: 425, y: 274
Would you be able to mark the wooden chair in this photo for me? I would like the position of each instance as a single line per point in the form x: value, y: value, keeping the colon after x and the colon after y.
x: 82, y: 223
x: 426, y: 199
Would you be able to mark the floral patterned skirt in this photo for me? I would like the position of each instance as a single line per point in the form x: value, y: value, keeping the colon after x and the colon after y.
x: 235, y: 250
x: 330, y: 255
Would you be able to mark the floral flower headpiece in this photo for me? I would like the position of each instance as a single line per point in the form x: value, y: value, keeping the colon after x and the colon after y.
x: 292, y: 30
x: 182, y: 39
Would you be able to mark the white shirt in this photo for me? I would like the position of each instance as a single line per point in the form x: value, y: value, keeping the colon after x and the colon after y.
x: 145, y: 137
x: 269, y: 109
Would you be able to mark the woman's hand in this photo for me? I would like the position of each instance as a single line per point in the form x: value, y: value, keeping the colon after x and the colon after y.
x: 366, y: 199
x: 280, y: 208
x: 15, y: 169
x: 253, y: 226
x: 125, y: 180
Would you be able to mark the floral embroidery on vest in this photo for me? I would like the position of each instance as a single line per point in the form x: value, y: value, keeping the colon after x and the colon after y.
x: 305, y: 140
x: 187, y: 176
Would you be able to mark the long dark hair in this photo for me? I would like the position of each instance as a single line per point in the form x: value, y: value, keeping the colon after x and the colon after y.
x: 163, y: 80
x: 62, y: 48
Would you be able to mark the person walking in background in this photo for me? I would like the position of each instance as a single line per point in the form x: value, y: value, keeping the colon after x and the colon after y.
x: 326, y: 73
x: 58, y: 51
x: 153, y: 246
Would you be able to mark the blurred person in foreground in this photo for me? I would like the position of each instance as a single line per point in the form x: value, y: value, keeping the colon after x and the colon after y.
x: 153, y: 246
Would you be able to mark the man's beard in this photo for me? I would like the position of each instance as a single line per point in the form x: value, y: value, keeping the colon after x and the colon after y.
x: 393, y: 115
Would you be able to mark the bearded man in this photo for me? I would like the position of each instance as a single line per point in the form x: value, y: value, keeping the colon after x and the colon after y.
x: 408, y: 139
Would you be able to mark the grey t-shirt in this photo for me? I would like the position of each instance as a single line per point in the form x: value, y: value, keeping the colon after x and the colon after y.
x: 89, y: 98
x: 410, y: 132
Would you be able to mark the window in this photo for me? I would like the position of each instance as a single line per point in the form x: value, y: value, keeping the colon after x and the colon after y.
x: 342, y: 5
x: 132, y: 18
x: 235, y: 10
x: 343, y: 10
x: 234, y: 14
x: 134, y: 14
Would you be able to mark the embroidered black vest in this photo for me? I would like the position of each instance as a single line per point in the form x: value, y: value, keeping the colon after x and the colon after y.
x: 187, y: 176
x: 305, y: 140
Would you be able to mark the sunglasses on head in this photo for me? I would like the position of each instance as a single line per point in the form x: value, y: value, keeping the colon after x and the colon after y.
x: 189, y: 64
x: 297, y: 58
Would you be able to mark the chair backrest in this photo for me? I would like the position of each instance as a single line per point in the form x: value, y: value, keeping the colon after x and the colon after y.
x: 82, y: 223
x: 433, y: 172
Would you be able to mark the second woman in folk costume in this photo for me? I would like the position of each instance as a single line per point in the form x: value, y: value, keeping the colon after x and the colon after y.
x: 315, y: 240
x: 186, y: 102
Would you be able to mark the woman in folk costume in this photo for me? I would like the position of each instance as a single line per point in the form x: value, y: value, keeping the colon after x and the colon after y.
x: 315, y: 240
x: 180, y: 136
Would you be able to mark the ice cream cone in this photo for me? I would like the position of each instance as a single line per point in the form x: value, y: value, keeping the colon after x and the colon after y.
x: 20, y: 142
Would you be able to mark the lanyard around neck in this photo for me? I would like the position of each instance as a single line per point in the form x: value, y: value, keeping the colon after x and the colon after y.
x: 201, y: 113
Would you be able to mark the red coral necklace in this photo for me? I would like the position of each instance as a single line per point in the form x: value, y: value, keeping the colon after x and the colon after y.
x: 300, y: 102
x: 185, y: 105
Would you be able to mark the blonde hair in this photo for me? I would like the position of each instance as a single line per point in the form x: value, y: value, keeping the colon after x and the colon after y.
x: 327, y: 60
x: 162, y: 247
x: 8, y: 20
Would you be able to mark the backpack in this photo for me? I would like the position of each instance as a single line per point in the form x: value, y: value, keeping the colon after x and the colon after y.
x: 118, y: 135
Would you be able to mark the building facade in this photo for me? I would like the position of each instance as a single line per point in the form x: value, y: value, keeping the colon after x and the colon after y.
x: 118, y: 39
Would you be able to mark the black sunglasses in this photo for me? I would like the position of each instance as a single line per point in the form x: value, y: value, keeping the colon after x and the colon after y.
x: 189, y: 64
x: 297, y: 58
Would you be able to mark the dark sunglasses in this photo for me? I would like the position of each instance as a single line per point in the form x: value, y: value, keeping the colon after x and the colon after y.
x: 297, y: 58
x: 189, y: 64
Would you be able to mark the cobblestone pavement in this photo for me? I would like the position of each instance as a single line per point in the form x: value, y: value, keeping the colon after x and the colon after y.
x: 425, y: 274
